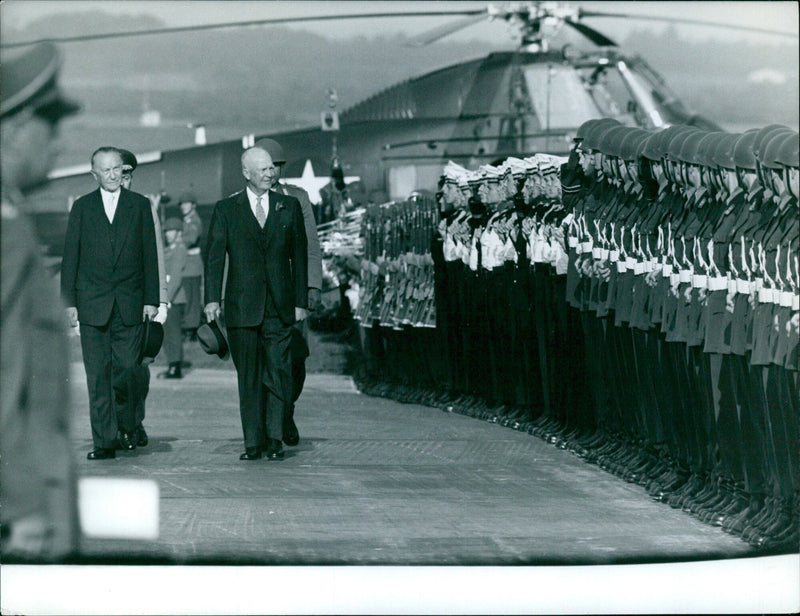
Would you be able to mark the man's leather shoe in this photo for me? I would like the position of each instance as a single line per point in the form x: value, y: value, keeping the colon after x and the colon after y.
x: 125, y: 441
x: 290, y: 435
x: 172, y: 372
x: 275, y: 450
x: 251, y: 453
x: 141, y: 437
x: 99, y: 453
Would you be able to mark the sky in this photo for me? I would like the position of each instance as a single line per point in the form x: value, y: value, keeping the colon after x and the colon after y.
x: 778, y: 15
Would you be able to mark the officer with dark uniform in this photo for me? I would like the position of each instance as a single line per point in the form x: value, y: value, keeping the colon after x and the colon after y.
x: 299, y: 346
x: 38, y: 514
x: 193, y: 270
x: 129, y: 164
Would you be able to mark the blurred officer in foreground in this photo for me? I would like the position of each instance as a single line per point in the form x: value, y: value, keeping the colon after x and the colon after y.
x: 129, y: 164
x: 38, y: 513
x: 300, y: 330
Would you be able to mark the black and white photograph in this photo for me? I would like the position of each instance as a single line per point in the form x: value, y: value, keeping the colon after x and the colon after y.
x: 399, y: 307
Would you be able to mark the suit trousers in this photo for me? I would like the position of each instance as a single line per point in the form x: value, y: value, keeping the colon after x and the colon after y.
x: 263, y: 364
x: 110, y: 357
x: 193, y: 287
x: 142, y: 389
x: 173, y: 334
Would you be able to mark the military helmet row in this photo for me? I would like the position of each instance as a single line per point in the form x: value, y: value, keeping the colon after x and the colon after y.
x: 774, y: 146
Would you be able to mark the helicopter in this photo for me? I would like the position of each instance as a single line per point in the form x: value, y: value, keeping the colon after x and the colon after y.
x: 509, y: 103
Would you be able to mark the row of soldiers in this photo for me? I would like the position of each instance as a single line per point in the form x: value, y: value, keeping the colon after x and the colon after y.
x: 396, y: 285
x: 673, y: 360
x: 684, y: 271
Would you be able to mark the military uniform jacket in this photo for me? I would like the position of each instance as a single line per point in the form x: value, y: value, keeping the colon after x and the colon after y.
x: 35, y: 451
x: 110, y: 262
x: 192, y: 230
x: 174, y: 265
x: 314, y: 250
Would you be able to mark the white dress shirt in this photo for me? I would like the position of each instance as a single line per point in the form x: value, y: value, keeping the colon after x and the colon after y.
x: 109, y: 203
x: 253, y: 198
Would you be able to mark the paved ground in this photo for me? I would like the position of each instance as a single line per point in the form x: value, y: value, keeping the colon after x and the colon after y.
x: 377, y: 482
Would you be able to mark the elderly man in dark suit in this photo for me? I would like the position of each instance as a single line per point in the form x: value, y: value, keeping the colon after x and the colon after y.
x: 263, y: 236
x: 109, y: 281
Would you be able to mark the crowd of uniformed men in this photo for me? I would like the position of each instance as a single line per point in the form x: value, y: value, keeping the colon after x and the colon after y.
x: 636, y: 303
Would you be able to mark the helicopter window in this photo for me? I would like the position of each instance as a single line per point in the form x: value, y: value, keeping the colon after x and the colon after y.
x: 558, y: 96
x: 609, y: 92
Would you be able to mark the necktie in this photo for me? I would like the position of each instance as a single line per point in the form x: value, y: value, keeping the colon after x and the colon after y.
x: 111, y: 208
x: 261, y: 215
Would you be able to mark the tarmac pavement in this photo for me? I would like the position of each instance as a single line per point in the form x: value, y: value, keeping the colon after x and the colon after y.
x: 375, y: 482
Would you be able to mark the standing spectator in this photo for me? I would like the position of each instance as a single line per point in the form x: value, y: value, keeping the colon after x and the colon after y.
x: 38, y: 515
x: 174, y: 261
x: 193, y: 272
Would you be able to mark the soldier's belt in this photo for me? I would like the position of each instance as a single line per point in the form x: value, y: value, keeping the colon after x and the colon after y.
x: 193, y: 251
x: 699, y: 281
x: 717, y: 283
x: 685, y: 275
x: 769, y: 296
x: 744, y: 286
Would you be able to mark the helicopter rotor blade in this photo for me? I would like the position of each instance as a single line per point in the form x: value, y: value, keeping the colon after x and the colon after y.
x: 681, y: 20
x: 237, y: 24
x: 599, y: 39
x: 444, y: 30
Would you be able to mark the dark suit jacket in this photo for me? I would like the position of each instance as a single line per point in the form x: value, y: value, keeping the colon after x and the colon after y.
x: 104, y: 263
x: 276, y: 259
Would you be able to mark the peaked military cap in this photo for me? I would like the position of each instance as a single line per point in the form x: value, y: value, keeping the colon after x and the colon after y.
x: 128, y: 160
x: 187, y: 197
x: 273, y: 148
x: 31, y: 80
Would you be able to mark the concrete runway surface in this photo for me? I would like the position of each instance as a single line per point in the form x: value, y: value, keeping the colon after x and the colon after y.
x: 388, y: 509
x: 376, y: 482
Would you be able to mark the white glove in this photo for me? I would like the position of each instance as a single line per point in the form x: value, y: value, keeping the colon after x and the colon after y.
x: 161, y: 315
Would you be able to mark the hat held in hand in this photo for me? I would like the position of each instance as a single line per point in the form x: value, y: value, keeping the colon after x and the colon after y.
x: 152, y: 337
x: 213, y: 338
